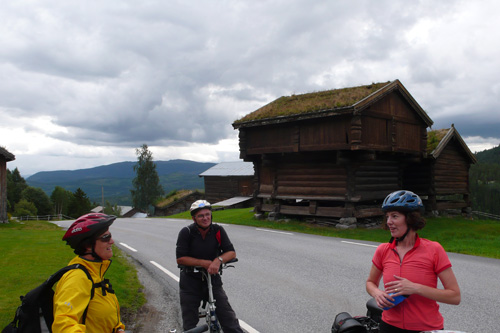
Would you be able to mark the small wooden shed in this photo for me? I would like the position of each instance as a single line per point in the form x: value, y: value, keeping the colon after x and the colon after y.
x: 5, y: 157
x: 334, y: 153
x: 227, y: 180
x: 444, y: 175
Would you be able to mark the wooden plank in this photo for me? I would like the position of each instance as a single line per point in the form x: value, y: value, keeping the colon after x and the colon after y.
x: 450, y: 205
x: 376, y: 173
x: 320, y: 170
x: 311, y: 197
x: 370, y: 187
x: 300, y: 191
x: 377, y: 181
x: 294, y: 210
x: 339, y: 184
x: 265, y: 188
x: 310, y: 177
x: 368, y: 212
x: 376, y: 195
x: 330, y: 211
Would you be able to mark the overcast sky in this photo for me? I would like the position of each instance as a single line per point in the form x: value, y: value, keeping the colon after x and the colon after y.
x: 85, y: 83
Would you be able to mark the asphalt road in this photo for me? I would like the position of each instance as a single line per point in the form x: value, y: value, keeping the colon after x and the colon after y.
x: 291, y: 282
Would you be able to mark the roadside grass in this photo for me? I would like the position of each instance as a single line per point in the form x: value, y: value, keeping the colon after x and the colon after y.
x: 455, y: 234
x: 33, y: 250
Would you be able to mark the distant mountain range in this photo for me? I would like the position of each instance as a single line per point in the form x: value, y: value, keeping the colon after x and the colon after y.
x: 115, y: 180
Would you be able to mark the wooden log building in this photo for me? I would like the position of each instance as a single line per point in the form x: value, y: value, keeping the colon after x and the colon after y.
x: 227, y: 180
x: 338, y: 153
x: 5, y: 157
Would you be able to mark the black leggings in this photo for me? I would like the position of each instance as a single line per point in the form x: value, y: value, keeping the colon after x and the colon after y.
x: 386, y: 328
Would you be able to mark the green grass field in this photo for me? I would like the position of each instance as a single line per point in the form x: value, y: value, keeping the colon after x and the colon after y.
x: 32, y: 251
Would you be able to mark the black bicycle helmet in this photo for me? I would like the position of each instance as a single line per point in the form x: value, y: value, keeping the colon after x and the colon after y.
x: 405, y: 201
x: 85, y: 228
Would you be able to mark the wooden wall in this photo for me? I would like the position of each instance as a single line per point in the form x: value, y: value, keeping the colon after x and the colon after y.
x: 3, y: 190
x: 388, y: 125
x: 322, y: 185
x: 222, y: 188
x: 303, y: 179
x: 374, y: 180
x: 451, y: 171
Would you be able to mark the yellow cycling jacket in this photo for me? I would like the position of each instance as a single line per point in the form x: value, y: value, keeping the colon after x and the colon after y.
x: 72, y: 295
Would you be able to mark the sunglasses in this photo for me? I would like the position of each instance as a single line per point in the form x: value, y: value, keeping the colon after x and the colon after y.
x: 105, y: 238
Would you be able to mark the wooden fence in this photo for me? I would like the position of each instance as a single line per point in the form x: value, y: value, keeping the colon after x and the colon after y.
x: 44, y: 218
x: 487, y: 215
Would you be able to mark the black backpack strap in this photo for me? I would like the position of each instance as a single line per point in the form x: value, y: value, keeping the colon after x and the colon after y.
x: 92, y: 291
x: 46, y: 289
x: 57, y: 276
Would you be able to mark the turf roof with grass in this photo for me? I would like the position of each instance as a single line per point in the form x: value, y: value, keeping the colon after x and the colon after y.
x: 434, y: 137
x: 313, y: 102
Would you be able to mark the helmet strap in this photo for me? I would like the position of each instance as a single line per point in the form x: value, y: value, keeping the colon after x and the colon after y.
x: 95, y: 254
x: 400, y: 239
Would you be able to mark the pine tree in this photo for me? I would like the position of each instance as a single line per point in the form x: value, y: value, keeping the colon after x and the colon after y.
x: 15, y: 186
x: 80, y: 204
x: 146, y: 184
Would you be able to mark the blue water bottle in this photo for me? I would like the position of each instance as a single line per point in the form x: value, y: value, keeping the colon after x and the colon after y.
x: 397, y: 300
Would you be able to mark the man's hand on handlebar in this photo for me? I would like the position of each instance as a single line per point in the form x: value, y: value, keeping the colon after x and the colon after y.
x: 214, y: 267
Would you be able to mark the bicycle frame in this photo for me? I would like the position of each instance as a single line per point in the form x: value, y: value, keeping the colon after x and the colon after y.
x: 211, y: 317
x: 212, y: 324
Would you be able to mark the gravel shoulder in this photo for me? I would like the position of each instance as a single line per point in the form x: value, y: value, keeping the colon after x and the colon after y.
x: 161, y: 313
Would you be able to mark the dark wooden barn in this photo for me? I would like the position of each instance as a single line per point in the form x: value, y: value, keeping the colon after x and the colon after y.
x: 443, y: 177
x: 335, y: 153
x: 228, y: 180
x: 5, y: 157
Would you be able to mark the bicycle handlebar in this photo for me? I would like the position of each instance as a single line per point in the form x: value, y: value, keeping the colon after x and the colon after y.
x: 201, y: 268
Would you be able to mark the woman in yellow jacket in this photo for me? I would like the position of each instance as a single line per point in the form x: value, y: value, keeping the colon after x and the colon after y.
x: 74, y: 310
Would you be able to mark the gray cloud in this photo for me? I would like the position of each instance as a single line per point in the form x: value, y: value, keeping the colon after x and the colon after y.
x: 179, y: 73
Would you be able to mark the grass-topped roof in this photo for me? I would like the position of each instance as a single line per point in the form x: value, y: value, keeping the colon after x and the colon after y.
x: 437, y: 140
x: 434, y: 137
x: 313, y: 102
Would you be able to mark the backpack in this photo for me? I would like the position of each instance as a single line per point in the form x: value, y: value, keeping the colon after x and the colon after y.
x: 37, y: 305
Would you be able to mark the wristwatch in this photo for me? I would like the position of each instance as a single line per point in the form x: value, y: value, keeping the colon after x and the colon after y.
x: 221, y: 261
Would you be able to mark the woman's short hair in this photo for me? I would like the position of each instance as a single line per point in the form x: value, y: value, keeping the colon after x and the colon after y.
x: 414, y: 220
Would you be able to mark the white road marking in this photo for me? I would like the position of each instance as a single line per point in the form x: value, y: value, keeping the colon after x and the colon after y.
x: 244, y: 325
x: 166, y: 271
x: 128, y: 247
x: 277, y: 232
x: 247, y: 327
x: 369, y: 245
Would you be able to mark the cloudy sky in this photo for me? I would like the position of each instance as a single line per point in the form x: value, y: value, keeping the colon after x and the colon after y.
x: 85, y: 83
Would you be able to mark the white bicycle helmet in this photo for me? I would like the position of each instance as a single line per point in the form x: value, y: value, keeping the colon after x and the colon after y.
x: 198, y: 205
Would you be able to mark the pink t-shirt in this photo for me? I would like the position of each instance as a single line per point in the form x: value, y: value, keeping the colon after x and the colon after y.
x: 422, y: 264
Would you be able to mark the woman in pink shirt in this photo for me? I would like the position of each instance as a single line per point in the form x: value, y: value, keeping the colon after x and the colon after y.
x: 410, y: 267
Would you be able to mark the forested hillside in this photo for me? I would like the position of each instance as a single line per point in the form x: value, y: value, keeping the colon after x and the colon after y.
x: 485, y: 181
x: 115, y: 180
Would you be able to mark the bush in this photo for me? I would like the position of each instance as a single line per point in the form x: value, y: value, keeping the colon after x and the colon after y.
x: 24, y: 207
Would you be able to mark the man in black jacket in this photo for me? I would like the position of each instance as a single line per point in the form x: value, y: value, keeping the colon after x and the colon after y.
x: 207, y: 245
